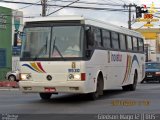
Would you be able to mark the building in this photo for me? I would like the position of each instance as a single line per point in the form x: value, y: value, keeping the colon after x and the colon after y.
x: 152, y: 43
x: 10, y: 23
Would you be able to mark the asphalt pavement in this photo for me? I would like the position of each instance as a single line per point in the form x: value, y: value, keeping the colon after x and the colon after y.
x: 145, y: 99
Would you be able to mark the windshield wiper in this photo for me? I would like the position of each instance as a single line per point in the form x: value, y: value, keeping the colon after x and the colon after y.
x: 55, y: 47
x: 44, y: 47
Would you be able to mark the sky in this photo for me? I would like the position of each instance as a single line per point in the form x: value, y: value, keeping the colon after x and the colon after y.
x: 117, y: 18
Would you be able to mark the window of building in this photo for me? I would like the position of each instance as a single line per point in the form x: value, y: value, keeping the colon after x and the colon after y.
x: 122, y: 39
x: 115, y: 41
x: 106, y: 39
x: 129, y: 43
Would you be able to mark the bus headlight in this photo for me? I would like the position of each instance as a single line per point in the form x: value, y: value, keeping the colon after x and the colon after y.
x: 77, y: 76
x: 25, y: 76
x: 74, y: 77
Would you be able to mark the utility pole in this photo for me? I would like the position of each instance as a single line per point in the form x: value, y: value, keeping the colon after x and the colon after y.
x: 129, y: 19
x: 44, y: 7
x: 130, y: 14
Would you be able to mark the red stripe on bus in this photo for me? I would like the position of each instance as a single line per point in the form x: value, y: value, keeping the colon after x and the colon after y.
x: 40, y: 66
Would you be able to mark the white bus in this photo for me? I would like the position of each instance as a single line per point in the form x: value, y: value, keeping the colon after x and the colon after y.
x: 72, y: 54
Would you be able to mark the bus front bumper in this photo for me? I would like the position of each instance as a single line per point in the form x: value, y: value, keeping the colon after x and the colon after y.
x: 60, y: 87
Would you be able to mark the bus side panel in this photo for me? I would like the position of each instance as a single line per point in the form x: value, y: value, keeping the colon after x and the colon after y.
x: 117, y: 67
x: 134, y: 62
x: 111, y: 69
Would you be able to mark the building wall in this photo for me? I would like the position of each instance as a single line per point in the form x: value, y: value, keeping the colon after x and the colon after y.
x: 151, y: 49
x: 152, y: 40
x: 5, y: 41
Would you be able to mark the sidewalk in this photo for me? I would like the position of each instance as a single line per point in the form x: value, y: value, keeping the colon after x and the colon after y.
x: 8, y: 84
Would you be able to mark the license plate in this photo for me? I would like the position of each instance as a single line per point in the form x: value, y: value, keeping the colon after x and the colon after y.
x: 149, y: 75
x: 49, y: 90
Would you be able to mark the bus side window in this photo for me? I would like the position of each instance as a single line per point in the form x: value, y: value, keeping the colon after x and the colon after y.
x: 129, y: 43
x: 106, y: 39
x: 115, y: 40
x: 140, y: 45
x: 89, y: 38
x: 122, y: 39
x: 135, y: 44
x: 97, y: 37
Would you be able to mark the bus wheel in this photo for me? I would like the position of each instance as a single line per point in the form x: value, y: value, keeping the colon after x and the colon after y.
x: 99, y: 89
x: 131, y: 87
x: 45, y: 96
x: 142, y: 81
x: 11, y: 78
x: 125, y: 88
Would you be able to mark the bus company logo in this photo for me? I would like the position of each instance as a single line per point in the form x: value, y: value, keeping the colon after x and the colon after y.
x: 35, y: 66
x: 116, y: 57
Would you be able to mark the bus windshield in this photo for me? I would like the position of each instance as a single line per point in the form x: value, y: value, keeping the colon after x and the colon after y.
x: 53, y: 42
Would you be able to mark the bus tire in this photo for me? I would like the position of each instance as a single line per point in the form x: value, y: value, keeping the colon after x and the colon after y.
x: 132, y: 87
x: 45, y: 96
x: 125, y: 88
x: 99, y: 89
x: 142, y: 81
x: 11, y: 78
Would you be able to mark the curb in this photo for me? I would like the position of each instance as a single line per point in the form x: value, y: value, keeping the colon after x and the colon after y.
x: 12, y: 84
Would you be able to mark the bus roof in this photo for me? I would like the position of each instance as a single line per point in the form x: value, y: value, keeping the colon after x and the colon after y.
x: 88, y: 21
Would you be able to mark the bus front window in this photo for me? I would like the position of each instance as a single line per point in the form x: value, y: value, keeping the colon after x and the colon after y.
x: 36, y: 42
x: 53, y: 42
x: 66, y: 41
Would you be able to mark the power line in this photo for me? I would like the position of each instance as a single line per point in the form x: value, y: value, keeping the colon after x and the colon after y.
x: 62, y: 8
x: 111, y: 1
x: 28, y: 5
x: 77, y: 7
x: 91, y: 3
x: 39, y: 16
x: 25, y: 3
x: 10, y: 15
x: 102, y: 9
x: 139, y: 27
x: 122, y: 1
